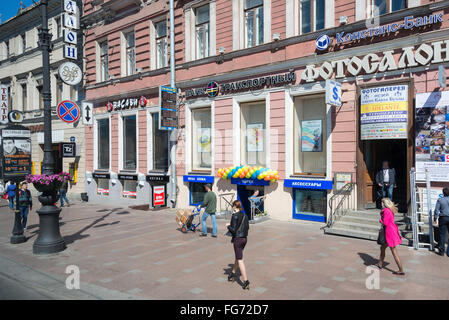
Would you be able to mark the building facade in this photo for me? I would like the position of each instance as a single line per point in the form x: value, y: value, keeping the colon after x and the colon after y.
x: 21, y: 72
x: 252, y: 80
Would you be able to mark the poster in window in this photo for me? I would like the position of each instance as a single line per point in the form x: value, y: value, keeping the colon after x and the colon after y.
x: 204, y: 140
x: 254, y: 133
x: 311, y: 136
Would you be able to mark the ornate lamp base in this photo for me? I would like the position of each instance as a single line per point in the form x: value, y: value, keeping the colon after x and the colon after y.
x: 49, y: 239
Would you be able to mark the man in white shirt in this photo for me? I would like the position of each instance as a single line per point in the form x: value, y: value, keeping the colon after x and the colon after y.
x: 386, y: 180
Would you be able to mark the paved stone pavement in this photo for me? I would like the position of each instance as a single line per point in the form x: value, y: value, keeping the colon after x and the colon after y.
x: 130, y: 254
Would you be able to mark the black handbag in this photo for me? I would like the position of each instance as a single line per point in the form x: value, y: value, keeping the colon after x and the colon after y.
x: 381, y: 237
x: 229, y: 234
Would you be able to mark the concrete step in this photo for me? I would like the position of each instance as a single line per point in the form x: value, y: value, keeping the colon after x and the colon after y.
x: 341, y: 224
x: 360, y: 234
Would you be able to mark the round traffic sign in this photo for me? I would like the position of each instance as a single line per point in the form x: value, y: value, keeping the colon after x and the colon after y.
x: 68, y: 111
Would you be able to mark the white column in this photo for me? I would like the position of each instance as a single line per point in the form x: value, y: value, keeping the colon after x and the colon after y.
x: 213, y: 27
x: 329, y: 14
x: 360, y: 10
x: 289, y: 18
x: 187, y: 15
x: 267, y: 21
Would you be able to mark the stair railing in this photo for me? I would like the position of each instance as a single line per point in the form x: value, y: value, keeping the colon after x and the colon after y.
x: 336, y: 203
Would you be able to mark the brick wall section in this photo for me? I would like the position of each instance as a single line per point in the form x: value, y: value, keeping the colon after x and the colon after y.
x: 114, y: 142
x: 277, y: 134
x: 223, y: 133
x: 224, y: 25
x: 278, y: 17
x: 344, y: 8
x: 180, y: 150
x: 142, y: 34
x: 89, y: 51
x: 142, y: 140
x: 344, y: 134
x: 114, y: 54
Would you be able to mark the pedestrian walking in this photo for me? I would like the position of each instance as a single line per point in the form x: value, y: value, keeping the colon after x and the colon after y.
x: 441, y: 217
x: 11, y: 191
x: 25, y: 203
x: 210, y: 203
x: 238, y: 227
x: 391, y: 236
x: 63, y: 193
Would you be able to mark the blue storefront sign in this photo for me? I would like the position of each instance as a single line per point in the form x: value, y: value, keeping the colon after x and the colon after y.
x: 200, y: 179
x: 308, y: 184
x: 249, y: 182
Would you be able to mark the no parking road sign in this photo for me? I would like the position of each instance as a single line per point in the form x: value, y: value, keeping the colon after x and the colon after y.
x: 68, y: 111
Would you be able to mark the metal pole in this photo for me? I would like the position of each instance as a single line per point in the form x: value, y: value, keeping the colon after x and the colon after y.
x: 45, y: 38
x: 172, y: 140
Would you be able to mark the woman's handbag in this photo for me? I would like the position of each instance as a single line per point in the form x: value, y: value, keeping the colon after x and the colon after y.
x: 5, y: 196
x: 229, y: 234
x: 381, y: 237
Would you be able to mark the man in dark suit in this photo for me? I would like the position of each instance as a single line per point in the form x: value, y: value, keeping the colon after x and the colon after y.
x: 386, y: 180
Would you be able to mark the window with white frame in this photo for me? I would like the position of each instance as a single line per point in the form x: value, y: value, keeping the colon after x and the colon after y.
x: 201, y: 139
x: 253, y: 134
x: 58, y: 27
x: 312, y: 15
x: 202, y: 31
x: 23, y: 40
x: 253, y: 23
x: 103, y: 144
x: 160, y: 140
x: 380, y: 7
x: 129, y: 142
x: 310, y: 132
x: 104, y: 61
x: 161, y: 44
x: 130, y: 54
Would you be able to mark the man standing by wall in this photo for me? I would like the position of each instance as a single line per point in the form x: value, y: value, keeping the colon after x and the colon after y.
x: 442, y: 215
x: 386, y: 180
x: 210, y: 203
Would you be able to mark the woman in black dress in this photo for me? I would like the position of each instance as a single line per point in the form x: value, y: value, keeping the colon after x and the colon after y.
x: 238, y: 228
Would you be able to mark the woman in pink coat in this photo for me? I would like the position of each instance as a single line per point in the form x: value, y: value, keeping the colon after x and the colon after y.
x: 392, y: 236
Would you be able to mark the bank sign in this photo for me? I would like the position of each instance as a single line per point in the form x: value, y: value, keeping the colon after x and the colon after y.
x: 323, y: 41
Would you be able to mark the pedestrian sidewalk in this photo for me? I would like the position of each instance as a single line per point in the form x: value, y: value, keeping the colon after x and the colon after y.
x: 130, y: 254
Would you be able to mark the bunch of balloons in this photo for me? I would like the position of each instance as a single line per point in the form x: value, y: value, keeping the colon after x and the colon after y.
x: 248, y: 172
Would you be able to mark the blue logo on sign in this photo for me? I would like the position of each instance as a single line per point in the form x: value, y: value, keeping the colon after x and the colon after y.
x: 323, y: 42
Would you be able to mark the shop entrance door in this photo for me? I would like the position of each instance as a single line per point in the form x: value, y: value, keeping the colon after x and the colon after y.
x: 243, y: 194
x: 374, y: 153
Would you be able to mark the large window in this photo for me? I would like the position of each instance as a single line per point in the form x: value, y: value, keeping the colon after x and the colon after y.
x: 253, y: 137
x: 160, y: 145
x: 201, y: 139
x: 103, y: 143
x: 310, y: 136
x: 130, y: 54
x: 24, y: 96
x: 310, y: 204
x: 386, y: 6
x: 253, y: 22
x: 312, y: 13
x: 161, y: 44
x: 129, y: 143
x: 104, y: 61
x: 197, y: 193
x: 202, y: 27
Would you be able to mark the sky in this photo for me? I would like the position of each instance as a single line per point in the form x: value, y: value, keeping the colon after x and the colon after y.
x: 9, y: 8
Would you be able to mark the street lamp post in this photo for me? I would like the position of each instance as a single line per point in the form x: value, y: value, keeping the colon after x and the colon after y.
x: 49, y: 239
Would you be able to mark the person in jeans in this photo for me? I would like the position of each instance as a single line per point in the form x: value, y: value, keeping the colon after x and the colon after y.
x: 442, y: 215
x: 25, y: 204
x: 210, y: 203
x: 386, y: 180
x: 63, y: 193
x: 11, y: 191
x: 238, y: 228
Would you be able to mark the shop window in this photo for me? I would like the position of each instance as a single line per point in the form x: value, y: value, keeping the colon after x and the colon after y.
x: 197, y: 193
x: 129, y: 189
x: 253, y: 22
x: 160, y: 145
x: 103, y: 143
x: 253, y: 144
x: 202, y: 27
x: 201, y: 139
x: 380, y: 7
x: 311, y: 203
x: 129, y: 143
x: 310, y: 136
x: 161, y: 44
x: 312, y: 15
x: 103, y: 187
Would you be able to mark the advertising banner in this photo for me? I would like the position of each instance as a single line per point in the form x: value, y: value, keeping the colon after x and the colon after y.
x: 432, y: 135
x: 311, y: 136
x: 16, y: 157
x: 158, y: 196
x: 255, y: 139
x: 383, y: 112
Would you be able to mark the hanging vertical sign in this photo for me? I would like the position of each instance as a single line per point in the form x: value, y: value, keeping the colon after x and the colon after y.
x: 384, y: 112
x: 168, y: 115
x: 4, y: 104
x: 71, y: 25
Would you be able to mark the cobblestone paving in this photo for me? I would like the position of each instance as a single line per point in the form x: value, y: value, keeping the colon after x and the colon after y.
x: 144, y: 254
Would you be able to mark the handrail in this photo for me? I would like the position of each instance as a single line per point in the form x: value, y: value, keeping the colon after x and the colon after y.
x: 345, y: 191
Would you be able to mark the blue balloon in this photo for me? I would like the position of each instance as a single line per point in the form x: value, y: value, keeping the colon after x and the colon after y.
x: 254, y: 176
